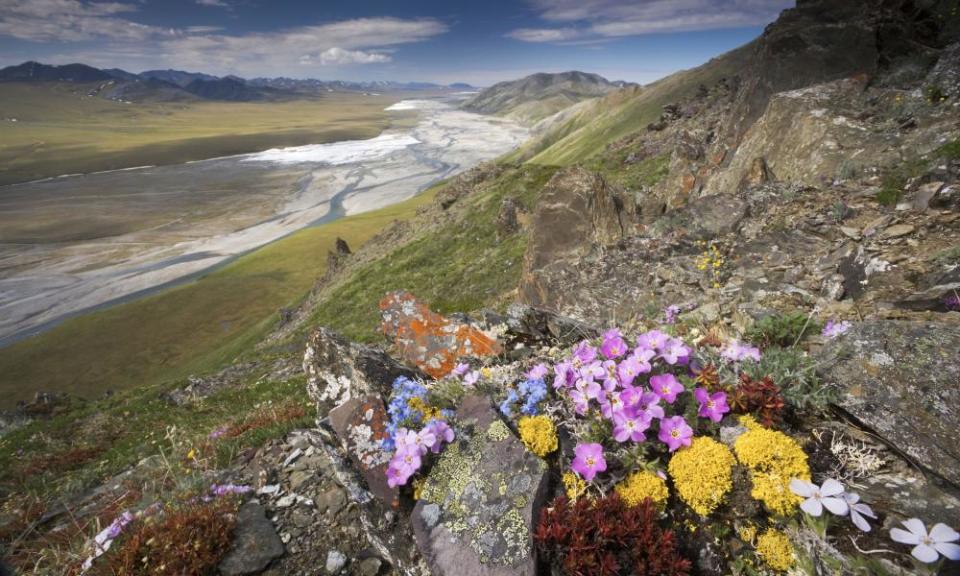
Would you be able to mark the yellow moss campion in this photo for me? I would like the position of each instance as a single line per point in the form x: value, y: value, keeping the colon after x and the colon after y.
x: 538, y: 434
x: 702, y: 474
x: 773, y: 458
x: 574, y: 485
x: 749, y: 422
x: 429, y: 412
x: 642, y: 485
x: 747, y: 533
x: 775, y: 549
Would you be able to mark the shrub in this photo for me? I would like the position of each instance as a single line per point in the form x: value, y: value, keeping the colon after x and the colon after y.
x: 191, y: 539
x: 759, y: 398
x: 606, y: 537
x: 795, y: 373
x: 702, y: 474
x: 782, y: 329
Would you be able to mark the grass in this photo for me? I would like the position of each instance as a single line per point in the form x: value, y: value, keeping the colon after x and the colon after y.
x: 60, y: 130
x: 643, y: 174
x: 463, y: 266
x: 189, y: 329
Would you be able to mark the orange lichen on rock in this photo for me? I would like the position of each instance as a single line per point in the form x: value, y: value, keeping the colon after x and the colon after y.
x: 428, y: 340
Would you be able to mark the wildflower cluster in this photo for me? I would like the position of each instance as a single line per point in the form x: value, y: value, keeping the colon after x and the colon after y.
x: 834, y: 498
x: 528, y: 394
x: 538, y: 434
x: 773, y: 459
x: 641, y: 486
x: 408, y: 410
x: 833, y: 329
x: 711, y: 262
x: 703, y: 474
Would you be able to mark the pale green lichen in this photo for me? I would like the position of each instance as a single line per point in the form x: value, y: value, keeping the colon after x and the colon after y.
x: 498, y: 431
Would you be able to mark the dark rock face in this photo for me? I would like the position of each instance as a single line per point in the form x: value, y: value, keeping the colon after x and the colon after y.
x: 428, y: 340
x: 712, y: 216
x: 508, y: 219
x: 360, y: 423
x: 576, y: 211
x: 480, y: 501
x: 338, y: 370
x: 255, y: 543
x: 900, y: 378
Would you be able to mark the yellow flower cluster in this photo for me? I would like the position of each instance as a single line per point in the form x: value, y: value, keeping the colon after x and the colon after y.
x: 711, y: 261
x: 702, y: 474
x: 429, y: 412
x: 747, y: 533
x: 538, y: 434
x: 773, y: 458
x: 775, y: 549
x: 642, y: 485
x: 574, y: 485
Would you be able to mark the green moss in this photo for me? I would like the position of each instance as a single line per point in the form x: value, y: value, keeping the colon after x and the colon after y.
x: 950, y: 150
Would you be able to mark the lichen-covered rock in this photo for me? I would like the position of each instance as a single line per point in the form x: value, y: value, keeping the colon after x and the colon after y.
x: 255, y: 544
x: 360, y: 424
x: 338, y: 370
x: 428, y: 340
x: 899, y: 378
x: 479, y: 503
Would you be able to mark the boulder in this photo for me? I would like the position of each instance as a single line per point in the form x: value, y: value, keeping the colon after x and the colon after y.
x: 338, y: 370
x: 899, y: 379
x: 480, y: 501
x: 711, y: 216
x: 428, y: 340
x: 361, y: 424
x: 255, y: 543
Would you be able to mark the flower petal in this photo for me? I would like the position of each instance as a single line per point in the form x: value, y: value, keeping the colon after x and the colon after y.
x: 836, y: 505
x: 916, y: 526
x: 903, y: 537
x: 859, y: 521
x: 813, y: 507
x: 925, y: 553
x: 943, y: 533
x: 831, y: 487
x: 864, y: 509
x: 801, y: 487
x: 951, y: 551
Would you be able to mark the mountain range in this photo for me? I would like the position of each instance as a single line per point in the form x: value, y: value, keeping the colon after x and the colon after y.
x: 171, y: 84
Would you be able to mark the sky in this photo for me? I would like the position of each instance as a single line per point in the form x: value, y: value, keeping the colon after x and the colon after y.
x: 476, y: 41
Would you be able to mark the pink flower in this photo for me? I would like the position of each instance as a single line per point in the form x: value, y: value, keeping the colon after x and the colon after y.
x: 652, y: 340
x: 443, y: 433
x: 834, y: 329
x: 735, y: 352
x: 538, y: 372
x: 580, y: 401
x: 583, y: 353
x: 675, y: 352
x: 712, y: 406
x: 613, y: 345
x: 564, y: 375
x: 460, y: 369
x: 471, y: 379
x: 830, y: 496
x: 406, y: 439
x: 627, y: 427
x: 588, y: 460
x: 666, y: 386
x: 426, y: 439
x: 675, y: 433
x: 611, y: 404
x: 928, y: 546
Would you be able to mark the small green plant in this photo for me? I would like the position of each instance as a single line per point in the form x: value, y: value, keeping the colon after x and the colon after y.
x: 840, y: 211
x: 948, y: 257
x: 950, y: 150
x: 848, y: 170
x: 782, y: 329
x: 795, y: 373
x: 934, y: 94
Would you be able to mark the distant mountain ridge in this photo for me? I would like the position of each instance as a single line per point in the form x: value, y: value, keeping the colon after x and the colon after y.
x: 540, y: 95
x: 181, y: 85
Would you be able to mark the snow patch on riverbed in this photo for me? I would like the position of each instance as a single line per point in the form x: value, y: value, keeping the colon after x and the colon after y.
x: 336, y: 153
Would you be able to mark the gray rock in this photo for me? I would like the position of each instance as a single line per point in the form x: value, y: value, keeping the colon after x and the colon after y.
x: 715, y: 215
x: 255, y: 543
x: 335, y: 562
x: 361, y: 424
x: 479, y: 502
x: 899, y: 378
x: 370, y: 566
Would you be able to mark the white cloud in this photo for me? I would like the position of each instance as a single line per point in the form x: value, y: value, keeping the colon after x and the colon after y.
x: 72, y: 21
x: 337, y: 56
x: 617, y: 18
x: 213, y: 3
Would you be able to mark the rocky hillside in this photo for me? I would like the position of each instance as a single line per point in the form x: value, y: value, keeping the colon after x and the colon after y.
x: 539, y: 95
x: 710, y: 326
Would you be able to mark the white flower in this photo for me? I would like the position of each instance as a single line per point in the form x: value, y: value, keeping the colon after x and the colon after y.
x: 858, y: 510
x: 928, y: 547
x: 829, y: 496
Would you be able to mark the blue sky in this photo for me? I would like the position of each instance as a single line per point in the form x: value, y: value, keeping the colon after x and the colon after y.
x: 476, y: 41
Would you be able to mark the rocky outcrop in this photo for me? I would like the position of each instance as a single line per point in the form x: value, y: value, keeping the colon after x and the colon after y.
x: 428, y: 340
x: 480, y: 501
x: 255, y: 543
x: 899, y: 378
x: 577, y: 211
x: 338, y: 370
x: 361, y: 424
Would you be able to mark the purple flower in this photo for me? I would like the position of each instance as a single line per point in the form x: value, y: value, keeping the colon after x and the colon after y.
x: 628, y: 370
x: 426, y: 439
x: 225, y: 489
x: 735, y: 352
x: 712, y: 406
x: 538, y: 372
x: 406, y: 439
x: 952, y: 301
x: 580, y: 401
x: 588, y: 460
x: 858, y: 510
x: 460, y: 369
x: 666, y: 386
x: 834, y: 329
x: 471, y: 378
x: 117, y: 526
x: 583, y: 353
x: 218, y: 433
x: 442, y: 432
x: 652, y: 340
x: 613, y: 345
x: 630, y: 427
x: 589, y: 388
x: 670, y: 313
x: 675, y: 351
x: 928, y: 546
x: 675, y: 433
x: 611, y: 404
x: 564, y: 375
x: 830, y: 496
x: 407, y: 461
x: 650, y: 404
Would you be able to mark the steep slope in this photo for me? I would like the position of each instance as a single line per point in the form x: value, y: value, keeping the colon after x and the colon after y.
x: 539, y: 95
